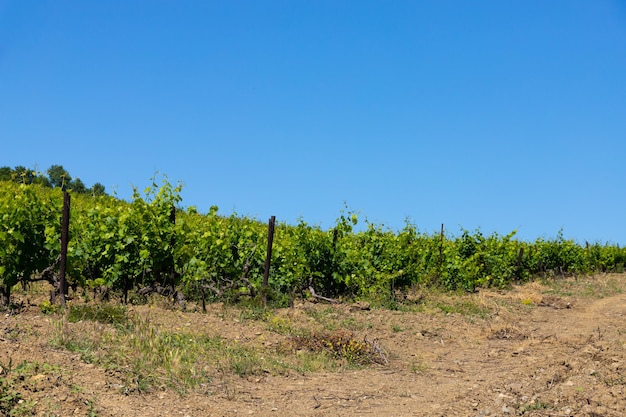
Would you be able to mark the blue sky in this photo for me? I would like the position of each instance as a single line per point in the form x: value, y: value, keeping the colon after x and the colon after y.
x: 497, y: 115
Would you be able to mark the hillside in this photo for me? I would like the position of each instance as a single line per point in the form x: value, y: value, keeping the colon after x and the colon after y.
x: 542, y: 349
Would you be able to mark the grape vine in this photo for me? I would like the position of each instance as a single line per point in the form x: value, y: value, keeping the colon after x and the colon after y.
x: 151, y: 244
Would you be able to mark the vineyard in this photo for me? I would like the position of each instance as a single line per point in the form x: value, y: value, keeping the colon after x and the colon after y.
x: 150, y: 244
x: 169, y: 313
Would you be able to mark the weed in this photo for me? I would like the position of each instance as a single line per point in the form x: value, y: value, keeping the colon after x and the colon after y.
x: 14, y: 333
x: 464, y: 308
x: 228, y: 387
x: 9, y: 396
x: 418, y: 367
x: 595, y: 287
x: 91, y: 409
x: 342, y: 345
x: 537, y: 405
x: 243, y: 362
x: 320, y: 315
x: 332, y: 319
x: 66, y: 338
x: 309, y: 361
x: 255, y: 312
x: 147, y: 356
x: 280, y: 325
x: 47, y: 307
x: 614, y: 380
x: 352, y: 324
x: 102, y: 313
x: 15, y: 381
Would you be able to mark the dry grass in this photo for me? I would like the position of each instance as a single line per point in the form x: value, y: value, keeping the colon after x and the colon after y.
x: 342, y: 345
x: 145, y: 355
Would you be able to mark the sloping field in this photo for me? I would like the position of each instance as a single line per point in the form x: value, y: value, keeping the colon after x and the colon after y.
x: 551, y: 349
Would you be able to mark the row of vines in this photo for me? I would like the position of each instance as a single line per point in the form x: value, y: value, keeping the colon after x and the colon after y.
x: 141, y: 246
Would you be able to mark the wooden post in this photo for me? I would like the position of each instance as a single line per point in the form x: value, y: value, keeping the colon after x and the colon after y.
x: 268, y: 257
x: 65, y: 226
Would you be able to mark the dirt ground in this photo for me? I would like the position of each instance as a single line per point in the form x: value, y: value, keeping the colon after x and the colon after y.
x: 535, y: 350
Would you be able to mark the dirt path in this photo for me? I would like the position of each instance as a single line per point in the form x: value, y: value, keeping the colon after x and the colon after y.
x: 556, y: 356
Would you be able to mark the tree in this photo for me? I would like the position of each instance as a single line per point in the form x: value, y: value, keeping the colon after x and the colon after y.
x: 6, y: 174
x: 23, y: 175
x: 97, y: 189
x: 77, y: 186
x: 59, y: 176
x: 42, y: 180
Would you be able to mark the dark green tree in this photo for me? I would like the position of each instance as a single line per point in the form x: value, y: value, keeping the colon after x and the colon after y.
x: 41, y: 180
x: 23, y: 175
x: 59, y: 176
x: 97, y: 189
x: 77, y: 186
x: 6, y: 174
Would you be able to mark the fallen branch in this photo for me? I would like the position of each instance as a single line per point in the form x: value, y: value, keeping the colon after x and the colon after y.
x: 330, y: 300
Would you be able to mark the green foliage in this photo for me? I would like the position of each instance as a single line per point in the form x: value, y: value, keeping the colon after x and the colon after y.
x: 55, y: 177
x: 58, y: 176
x: 29, y: 233
x: 222, y: 255
x: 48, y: 308
x: 117, y: 246
x: 474, y: 260
x: 465, y: 308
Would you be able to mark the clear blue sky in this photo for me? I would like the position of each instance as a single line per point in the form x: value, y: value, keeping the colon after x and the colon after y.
x: 497, y: 115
